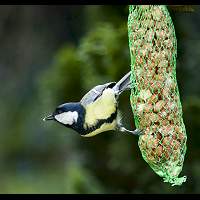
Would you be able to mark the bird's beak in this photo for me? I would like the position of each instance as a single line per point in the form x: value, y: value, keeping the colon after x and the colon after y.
x: 50, y: 117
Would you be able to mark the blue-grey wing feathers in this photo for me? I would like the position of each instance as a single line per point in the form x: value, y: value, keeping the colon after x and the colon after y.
x: 122, y: 85
x: 94, y: 93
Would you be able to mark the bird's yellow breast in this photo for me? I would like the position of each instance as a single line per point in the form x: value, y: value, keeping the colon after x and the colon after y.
x: 103, y: 128
x: 102, y: 108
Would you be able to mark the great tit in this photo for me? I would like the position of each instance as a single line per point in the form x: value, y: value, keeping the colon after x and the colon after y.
x: 96, y: 112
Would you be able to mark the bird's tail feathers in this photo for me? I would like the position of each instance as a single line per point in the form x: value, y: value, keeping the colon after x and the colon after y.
x: 123, y: 84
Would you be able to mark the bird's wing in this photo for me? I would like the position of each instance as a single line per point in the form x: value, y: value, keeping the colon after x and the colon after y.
x: 94, y: 93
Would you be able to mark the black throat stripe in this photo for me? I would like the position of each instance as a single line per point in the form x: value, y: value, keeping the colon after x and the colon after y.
x: 99, y: 123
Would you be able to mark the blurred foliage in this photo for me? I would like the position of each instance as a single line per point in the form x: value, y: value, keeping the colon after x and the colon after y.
x: 38, y: 157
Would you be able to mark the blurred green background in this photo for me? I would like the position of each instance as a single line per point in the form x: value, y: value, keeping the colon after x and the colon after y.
x: 54, y: 54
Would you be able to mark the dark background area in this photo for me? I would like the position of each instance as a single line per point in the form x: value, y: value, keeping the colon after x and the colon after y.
x: 54, y: 54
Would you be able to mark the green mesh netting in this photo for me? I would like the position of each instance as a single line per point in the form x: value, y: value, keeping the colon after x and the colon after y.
x: 155, y: 97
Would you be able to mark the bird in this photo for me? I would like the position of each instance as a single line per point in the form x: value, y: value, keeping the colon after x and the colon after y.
x: 97, y: 111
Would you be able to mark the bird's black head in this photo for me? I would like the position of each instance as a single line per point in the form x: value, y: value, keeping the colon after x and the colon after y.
x: 70, y: 115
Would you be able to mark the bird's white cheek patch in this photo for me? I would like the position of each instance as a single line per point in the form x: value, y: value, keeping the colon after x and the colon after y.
x: 67, y: 117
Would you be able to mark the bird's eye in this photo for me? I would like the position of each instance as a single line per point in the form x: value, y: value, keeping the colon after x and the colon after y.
x: 58, y: 111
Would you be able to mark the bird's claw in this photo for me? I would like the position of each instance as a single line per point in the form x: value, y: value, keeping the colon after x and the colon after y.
x: 135, y: 132
x: 139, y: 132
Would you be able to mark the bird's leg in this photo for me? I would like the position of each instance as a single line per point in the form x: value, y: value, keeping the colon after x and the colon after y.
x: 135, y: 132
